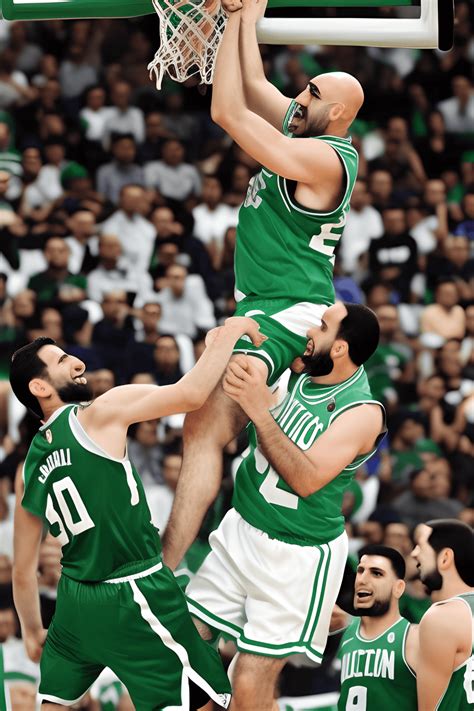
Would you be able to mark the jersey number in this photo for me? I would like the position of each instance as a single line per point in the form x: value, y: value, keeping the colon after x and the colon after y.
x: 76, y: 521
x: 269, y: 487
x: 357, y: 699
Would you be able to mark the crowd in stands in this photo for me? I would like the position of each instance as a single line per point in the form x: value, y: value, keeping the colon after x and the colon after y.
x: 118, y: 214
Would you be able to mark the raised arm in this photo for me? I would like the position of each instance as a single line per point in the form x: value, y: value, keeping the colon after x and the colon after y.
x: 353, y: 433
x: 131, y: 403
x: 304, y: 160
x: 261, y: 96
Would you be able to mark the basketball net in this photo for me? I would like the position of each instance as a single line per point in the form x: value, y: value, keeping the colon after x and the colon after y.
x: 190, y: 33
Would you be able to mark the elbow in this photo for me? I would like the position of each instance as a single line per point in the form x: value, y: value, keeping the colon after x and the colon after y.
x: 217, y: 114
x: 194, y: 400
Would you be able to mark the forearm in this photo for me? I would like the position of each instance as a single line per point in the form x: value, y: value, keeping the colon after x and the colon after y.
x: 288, y: 460
x: 253, y: 75
x: 207, y: 372
x: 227, y: 89
x: 26, y: 598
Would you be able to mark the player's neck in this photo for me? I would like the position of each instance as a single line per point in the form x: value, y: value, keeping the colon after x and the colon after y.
x: 372, y: 627
x: 338, y: 374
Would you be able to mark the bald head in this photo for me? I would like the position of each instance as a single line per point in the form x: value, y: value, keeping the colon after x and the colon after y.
x: 341, y: 87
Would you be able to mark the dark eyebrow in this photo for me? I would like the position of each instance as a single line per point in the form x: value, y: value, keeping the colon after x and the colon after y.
x: 63, y: 357
x: 377, y: 570
x: 313, y: 90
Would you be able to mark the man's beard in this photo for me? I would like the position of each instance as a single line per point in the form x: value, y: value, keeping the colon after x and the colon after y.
x: 75, y: 392
x: 318, y: 125
x: 378, y: 609
x: 432, y: 581
x: 318, y: 364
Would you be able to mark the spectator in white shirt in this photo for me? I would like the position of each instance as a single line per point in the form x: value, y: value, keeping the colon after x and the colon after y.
x: 112, y: 274
x: 137, y: 235
x: 122, y: 117
x: 212, y: 217
x: 363, y: 224
x: 171, y: 176
x: 75, y: 73
x: 458, y: 111
x: 186, y: 308
x: 95, y: 113
x: 83, y: 241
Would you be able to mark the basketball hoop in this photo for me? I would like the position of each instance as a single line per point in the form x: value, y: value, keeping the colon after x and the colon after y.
x: 190, y: 33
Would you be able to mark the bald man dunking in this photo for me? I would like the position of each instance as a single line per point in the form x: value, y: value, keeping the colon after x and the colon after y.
x: 289, y: 226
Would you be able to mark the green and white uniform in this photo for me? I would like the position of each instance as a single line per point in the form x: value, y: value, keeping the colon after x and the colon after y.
x: 284, y: 258
x: 460, y: 692
x: 282, y: 556
x: 117, y: 605
x: 3, y: 702
x: 375, y: 673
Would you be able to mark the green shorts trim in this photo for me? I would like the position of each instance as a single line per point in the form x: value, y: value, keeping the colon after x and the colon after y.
x: 244, y: 644
x: 285, y: 323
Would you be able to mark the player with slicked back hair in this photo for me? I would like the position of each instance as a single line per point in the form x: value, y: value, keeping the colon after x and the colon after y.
x: 444, y: 553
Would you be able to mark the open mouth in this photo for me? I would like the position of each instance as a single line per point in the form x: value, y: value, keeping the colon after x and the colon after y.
x: 298, y: 114
x: 363, y: 594
x: 81, y: 380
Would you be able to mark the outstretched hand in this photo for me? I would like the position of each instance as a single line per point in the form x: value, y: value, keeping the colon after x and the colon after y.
x: 246, y: 384
x: 232, y: 5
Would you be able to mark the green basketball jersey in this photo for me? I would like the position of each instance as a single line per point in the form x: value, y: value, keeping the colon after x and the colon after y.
x: 375, y: 674
x: 265, y: 500
x: 3, y: 702
x: 460, y: 692
x: 94, y: 504
x: 285, y: 250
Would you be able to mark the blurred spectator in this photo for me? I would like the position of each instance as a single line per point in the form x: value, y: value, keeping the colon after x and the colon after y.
x: 393, y: 256
x: 112, y: 272
x: 363, y: 224
x: 445, y: 317
x: 57, y: 286
x: 466, y: 226
x: 186, y: 307
x: 428, y: 497
x: 114, y: 332
x: 167, y: 369
x: 76, y: 73
x: 122, y: 171
x: 14, y: 88
x: 381, y: 189
x: 83, y: 242
x: 94, y: 114
x: 155, y: 134
x: 171, y: 176
x: 212, y: 217
x: 145, y: 452
x: 458, y: 111
x: 122, y: 117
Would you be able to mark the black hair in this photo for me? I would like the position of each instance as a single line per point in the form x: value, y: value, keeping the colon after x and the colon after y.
x: 361, y: 330
x: 396, y: 559
x: 26, y: 365
x: 116, y: 137
x: 459, y: 536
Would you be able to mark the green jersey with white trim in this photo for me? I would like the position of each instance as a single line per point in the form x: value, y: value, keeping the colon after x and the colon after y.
x: 285, y: 250
x: 460, y: 692
x: 93, y: 504
x: 265, y: 500
x: 375, y: 674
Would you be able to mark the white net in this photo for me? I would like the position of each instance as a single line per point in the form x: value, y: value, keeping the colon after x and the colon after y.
x: 190, y: 33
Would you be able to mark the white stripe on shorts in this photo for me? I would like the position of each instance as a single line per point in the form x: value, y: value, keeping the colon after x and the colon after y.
x: 136, y: 576
x: 179, y: 650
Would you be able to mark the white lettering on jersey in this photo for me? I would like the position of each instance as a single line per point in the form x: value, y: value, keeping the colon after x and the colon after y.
x: 378, y: 663
x: 58, y: 458
x: 257, y: 183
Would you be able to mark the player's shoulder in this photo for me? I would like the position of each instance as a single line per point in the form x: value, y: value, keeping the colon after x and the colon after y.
x: 446, y: 617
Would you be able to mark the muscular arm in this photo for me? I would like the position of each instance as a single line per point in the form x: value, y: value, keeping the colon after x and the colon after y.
x: 434, y: 668
x: 303, y: 160
x: 27, y: 538
x: 351, y: 434
x: 261, y: 96
x: 131, y: 403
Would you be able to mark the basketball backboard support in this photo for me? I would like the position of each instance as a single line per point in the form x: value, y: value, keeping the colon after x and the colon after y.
x: 432, y: 28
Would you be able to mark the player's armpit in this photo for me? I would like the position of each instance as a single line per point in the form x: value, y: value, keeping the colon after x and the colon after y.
x: 435, y: 666
x: 352, y: 434
x: 304, y: 160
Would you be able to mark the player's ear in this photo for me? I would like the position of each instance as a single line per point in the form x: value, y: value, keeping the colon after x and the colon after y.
x: 445, y: 558
x: 339, y: 349
x: 39, y: 387
x: 399, y: 589
x: 336, y: 111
